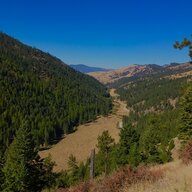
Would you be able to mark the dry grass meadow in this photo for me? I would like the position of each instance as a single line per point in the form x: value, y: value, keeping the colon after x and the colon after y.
x: 177, y: 178
x: 81, y: 142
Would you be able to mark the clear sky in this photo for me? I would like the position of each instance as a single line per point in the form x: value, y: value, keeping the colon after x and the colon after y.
x: 103, y: 33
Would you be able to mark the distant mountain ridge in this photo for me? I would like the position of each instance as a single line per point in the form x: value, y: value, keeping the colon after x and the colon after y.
x: 87, y: 69
x: 134, y: 71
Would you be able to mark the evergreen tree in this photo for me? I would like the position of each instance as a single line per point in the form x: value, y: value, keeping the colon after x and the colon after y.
x: 127, y: 152
x: 105, y: 143
x: 22, y: 168
x: 1, y: 175
x: 83, y: 170
x: 186, y: 114
x: 49, y: 177
x: 73, y: 170
x: 186, y: 100
x: 185, y: 43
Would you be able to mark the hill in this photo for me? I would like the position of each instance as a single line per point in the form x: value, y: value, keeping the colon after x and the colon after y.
x: 87, y: 69
x: 135, y: 71
x: 41, y: 90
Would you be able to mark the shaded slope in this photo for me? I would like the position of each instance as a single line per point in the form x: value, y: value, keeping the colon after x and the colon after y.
x: 42, y: 90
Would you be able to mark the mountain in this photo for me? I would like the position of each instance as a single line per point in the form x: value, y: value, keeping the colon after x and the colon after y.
x: 87, y: 69
x: 135, y: 71
x: 117, y: 74
x: 42, y: 91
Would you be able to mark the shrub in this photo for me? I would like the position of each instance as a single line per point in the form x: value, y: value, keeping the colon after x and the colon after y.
x: 186, y: 154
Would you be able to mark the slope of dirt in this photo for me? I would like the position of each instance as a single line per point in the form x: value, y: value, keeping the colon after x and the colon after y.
x: 81, y: 142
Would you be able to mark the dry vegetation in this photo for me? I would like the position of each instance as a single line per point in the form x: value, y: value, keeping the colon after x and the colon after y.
x: 124, y: 178
x: 177, y: 178
x: 117, y: 74
x: 81, y: 142
x: 171, y: 177
x: 114, y: 75
x: 186, y: 154
x: 180, y: 75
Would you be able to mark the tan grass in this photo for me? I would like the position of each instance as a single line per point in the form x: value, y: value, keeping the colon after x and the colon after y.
x: 81, y: 142
x: 114, y: 75
x: 180, y: 75
x: 115, y: 181
x: 178, y: 178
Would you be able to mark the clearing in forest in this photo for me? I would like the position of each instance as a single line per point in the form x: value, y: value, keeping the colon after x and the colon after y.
x: 81, y: 142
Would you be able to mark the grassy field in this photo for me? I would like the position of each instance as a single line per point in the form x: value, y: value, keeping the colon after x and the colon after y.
x: 81, y: 142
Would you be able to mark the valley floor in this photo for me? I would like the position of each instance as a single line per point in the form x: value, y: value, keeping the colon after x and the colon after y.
x: 81, y: 142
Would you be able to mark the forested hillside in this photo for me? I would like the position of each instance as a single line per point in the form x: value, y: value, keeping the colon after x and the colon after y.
x: 152, y: 93
x: 41, y: 90
x: 155, y: 114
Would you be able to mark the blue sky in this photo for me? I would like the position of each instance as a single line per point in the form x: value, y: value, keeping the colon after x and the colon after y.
x: 103, y: 33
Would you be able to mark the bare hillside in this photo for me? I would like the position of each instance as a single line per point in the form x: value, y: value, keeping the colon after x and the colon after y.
x: 114, y: 75
x: 171, y: 71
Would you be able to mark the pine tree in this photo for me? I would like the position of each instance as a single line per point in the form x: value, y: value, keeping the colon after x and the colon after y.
x: 48, y: 176
x: 1, y: 174
x: 73, y: 169
x: 127, y: 152
x: 105, y: 143
x: 22, y: 168
x: 186, y: 114
x: 185, y: 43
x: 186, y: 101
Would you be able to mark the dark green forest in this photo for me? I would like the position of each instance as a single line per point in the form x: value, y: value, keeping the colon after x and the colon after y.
x: 42, y: 90
x: 156, y: 93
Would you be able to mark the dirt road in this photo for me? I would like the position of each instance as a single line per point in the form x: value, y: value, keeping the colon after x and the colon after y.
x: 81, y: 142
